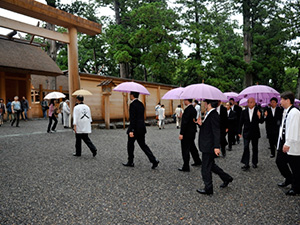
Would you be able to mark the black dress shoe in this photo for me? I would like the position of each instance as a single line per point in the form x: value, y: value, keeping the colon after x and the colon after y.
x: 283, y: 184
x: 196, y: 164
x: 76, y: 155
x: 291, y: 192
x: 272, y: 156
x: 184, y: 170
x: 229, y: 149
x: 245, y: 168
x: 128, y: 164
x: 254, y: 166
x: 94, y: 153
x: 155, y: 164
x: 225, y: 184
x: 204, y: 192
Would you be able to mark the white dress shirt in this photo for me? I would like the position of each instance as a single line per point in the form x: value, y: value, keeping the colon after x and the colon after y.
x: 250, y: 113
x: 273, y: 111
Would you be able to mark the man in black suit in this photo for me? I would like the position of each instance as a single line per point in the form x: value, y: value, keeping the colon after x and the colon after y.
x: 137, y: 131
x: 222, y: 111
x: 209, y: 145
x: 238, y: 110
x: 273, y: 116
x: 250, y: 119
x: 187, y: 136
x: 231, y: 116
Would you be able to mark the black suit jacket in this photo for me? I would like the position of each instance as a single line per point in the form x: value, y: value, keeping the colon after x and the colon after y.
x: 232, y: 120
x: 188, y: 126
x: 209, y: 136
x: 238, y: 109
x: 273, y: 122
x: 251, y: 129
x: 136, y: 118
x: 223, y: 120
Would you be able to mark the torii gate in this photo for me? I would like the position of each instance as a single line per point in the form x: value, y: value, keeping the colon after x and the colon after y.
x: 58, y: 17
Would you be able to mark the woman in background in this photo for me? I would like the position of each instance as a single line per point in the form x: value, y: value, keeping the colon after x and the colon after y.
x: 52, y: 116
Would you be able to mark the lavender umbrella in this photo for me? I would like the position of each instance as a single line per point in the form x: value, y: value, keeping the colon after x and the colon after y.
x: 131, y: 86
x: 243, y: 102
x: 173, y: 94
x: 261, y: 93
x: 230, y: 95
x: 202, y: 91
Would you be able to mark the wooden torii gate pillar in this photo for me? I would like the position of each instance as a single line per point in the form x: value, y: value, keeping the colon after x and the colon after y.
x: 58, y: 17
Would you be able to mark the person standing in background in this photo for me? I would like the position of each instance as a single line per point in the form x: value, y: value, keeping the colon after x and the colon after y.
x: 198, y: 109
x: 231, y: 116
x: 2, y: 111
x: 25, y: 107
x: 45, y: 107
x: 52, y: 116
x: 161, y: 117
x: 16, y: 110
x: 178, y: 114
x: 66, y: 113
x: 273, y: 116
x: 9, y: 112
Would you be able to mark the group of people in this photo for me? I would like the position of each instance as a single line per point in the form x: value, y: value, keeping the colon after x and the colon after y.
x: 14, y: 110
x: 282, y: 126
x: 283, y: 132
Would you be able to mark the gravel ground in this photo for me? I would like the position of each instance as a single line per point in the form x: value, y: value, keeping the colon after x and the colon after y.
x: 42, y: 183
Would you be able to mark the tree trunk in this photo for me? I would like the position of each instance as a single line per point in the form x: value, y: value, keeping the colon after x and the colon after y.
x: 124, y: 72
x: 248, y: 80
x: 145, y: 74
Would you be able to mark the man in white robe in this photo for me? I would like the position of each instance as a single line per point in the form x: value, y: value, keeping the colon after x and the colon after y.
x: 66, y: 113
x: 289, y: 139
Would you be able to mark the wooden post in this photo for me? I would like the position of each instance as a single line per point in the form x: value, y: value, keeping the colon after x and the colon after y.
x: 171, y: 107
x: 107, y: 111
x: 144, y: 102
x: 126, y: 107
x: 2, y: 87
x: 28, y: 94
x: 74, y: 80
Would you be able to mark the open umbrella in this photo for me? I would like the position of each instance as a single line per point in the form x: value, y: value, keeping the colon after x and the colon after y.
x: 261, y: 93
x: 243, y: 102
x: 173, y: 94
x: 54, y: 95
x: 201, y: 92
x: 81, y: 92
x: 131, y: 86
x: 230, y: 95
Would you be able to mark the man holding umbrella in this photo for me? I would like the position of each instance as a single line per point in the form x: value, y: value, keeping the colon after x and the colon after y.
x: 209, y: 145
x: 137, y: 131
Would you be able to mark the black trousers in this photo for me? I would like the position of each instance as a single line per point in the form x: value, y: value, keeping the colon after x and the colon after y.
x: 53, y: 117
x: 282, y: 162
x: 294, y: 162
x: 231, y: 138
x: 223, y: 142
x: 273, y: 142
x: 86, y: 140
x: 16, y: 117
x: 141, y: 141
x: 188, y: 146
x: 246, y: 154
x: 209, y: 166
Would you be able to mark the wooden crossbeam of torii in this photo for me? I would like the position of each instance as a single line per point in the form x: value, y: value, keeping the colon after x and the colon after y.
x: 58, y: 17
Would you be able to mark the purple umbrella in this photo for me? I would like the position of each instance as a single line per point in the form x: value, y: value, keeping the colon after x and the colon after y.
x: 261, y: 93
x: 131, y: 86
x: 173, y: 94
x: 230, y: 95
x: 202, y: 91
x: 243, y: 102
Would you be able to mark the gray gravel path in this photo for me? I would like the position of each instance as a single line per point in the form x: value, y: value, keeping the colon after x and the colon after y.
x: 42, y: 183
